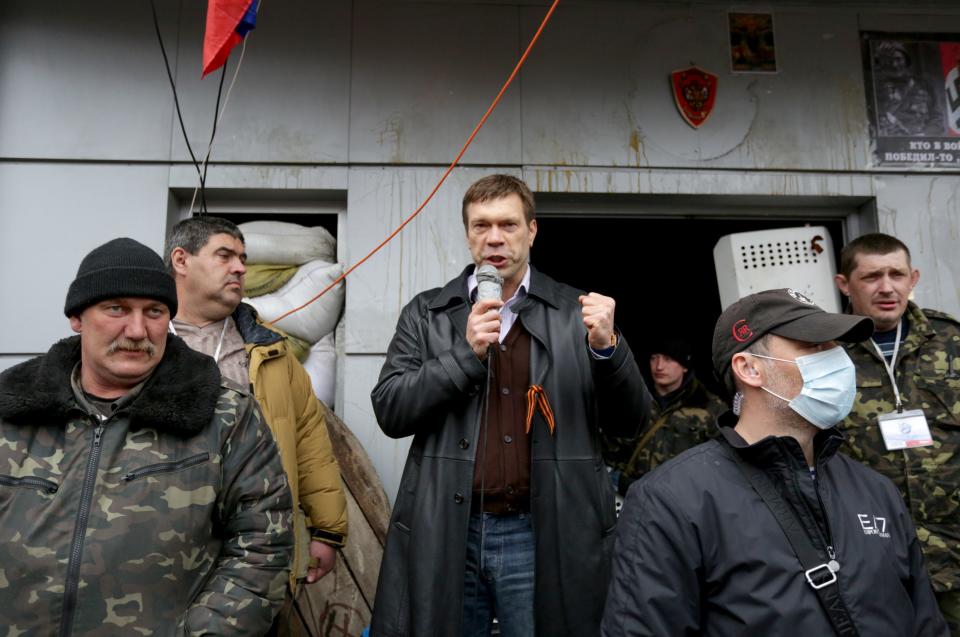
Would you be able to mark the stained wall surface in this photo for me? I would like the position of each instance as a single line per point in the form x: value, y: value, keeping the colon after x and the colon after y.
x: 366, y: 102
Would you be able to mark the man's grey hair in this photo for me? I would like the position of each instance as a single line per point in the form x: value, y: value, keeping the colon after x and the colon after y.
x: 193, y: 233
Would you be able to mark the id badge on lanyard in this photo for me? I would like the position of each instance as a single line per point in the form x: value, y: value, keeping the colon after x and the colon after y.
x: 905, y: 430
x: 901, y: 429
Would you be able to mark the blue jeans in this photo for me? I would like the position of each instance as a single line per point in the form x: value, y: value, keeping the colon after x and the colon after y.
x: 499, y: 579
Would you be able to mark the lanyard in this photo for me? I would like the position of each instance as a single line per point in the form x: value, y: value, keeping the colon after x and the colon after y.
x: 216, y: 353
x: 889, y: 366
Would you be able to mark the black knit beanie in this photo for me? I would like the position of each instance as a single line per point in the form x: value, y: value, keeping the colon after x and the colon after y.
x: 121, y: 267
x: 676, y: 348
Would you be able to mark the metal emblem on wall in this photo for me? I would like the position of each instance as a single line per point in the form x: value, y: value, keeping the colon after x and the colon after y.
x: 695, y: 92
x: 913, y: 98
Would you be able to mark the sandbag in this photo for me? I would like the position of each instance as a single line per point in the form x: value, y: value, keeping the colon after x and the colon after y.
x: 299, y: 347
x: 282, y: 243
x: 265, y: 278
x: 321, y: 364
x: 317, y: 319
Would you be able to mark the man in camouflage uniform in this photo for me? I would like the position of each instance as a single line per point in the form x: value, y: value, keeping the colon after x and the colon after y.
x: 682, y: 415
x: 923, y: 347
x: 139, y: 493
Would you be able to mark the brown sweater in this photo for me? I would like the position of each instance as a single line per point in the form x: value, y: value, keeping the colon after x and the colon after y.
x: 503, y: 464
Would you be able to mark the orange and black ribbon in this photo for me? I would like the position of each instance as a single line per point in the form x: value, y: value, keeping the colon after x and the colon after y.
x: 537, y: 399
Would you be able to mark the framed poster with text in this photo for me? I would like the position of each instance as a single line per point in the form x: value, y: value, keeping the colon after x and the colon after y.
x: 913, y: 98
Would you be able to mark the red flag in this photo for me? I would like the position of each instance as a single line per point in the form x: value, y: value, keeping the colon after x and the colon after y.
x: 228, y: 21
x: 950, y: 58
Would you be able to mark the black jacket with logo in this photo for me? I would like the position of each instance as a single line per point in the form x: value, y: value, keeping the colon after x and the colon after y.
x: 698, y: 552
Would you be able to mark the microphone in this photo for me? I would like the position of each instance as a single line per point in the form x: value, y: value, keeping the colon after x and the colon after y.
x: 489, y: 283
x: 489, y: 286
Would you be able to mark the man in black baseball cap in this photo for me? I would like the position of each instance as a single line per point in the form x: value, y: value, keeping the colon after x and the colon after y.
x: 765, y: 525
x: 785, y: 313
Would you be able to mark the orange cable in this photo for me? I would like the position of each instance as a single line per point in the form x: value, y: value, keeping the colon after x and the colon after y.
x: 446, y: 174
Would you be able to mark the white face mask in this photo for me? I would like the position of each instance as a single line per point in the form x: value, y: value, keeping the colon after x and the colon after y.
x: 829, y: 386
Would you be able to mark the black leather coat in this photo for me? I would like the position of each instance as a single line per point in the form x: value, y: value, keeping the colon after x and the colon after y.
x: 430, y: 388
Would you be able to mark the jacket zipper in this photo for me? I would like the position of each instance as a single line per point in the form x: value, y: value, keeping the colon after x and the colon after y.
x: 31, y: 483
x: 166, y: 467
x: 831, y: 553
x: 821, y: 532
x: 72, y: 582
x: 826, y: 537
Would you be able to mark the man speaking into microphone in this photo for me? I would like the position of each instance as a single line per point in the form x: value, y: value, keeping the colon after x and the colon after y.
x: 505, y: 509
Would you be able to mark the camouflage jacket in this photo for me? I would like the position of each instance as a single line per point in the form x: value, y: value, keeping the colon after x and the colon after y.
x: 687, y: 420
x: 928, y: 376
x: 169, y: 517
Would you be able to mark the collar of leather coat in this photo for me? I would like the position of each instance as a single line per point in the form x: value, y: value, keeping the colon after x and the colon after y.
x: 178, y: 398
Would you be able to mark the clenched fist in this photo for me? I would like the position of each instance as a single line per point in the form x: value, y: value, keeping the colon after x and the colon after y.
x: 597, y: 311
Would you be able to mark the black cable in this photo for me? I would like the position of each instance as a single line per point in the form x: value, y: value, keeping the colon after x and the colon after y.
x: 213, y: 133
x: 176, y: 101
x: 484, y: 422
x: 484, y: 425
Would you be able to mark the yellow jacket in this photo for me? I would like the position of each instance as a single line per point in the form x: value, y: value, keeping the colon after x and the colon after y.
x: 296, y: 418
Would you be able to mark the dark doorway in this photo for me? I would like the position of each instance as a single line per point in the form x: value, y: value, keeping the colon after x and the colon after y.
x: 660, y: 271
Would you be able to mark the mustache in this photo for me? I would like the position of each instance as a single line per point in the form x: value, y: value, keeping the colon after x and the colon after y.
x: 132, y: 346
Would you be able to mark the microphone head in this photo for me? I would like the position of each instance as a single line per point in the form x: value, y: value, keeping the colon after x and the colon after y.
x: 489, y: 283
x: 487, y: 272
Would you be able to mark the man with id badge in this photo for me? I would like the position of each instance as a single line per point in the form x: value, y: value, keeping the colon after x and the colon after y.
x: 905, y: 421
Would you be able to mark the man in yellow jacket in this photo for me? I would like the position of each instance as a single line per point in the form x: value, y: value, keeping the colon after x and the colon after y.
x: 206, y: 257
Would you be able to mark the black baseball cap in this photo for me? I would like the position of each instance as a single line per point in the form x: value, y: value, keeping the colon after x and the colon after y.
x: 783, y: 312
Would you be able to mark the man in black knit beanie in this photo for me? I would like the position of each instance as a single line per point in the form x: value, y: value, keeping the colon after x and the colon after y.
x: 133, y: 477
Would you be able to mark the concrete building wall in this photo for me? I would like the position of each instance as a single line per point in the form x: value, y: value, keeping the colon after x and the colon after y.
x: 368, y: 101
